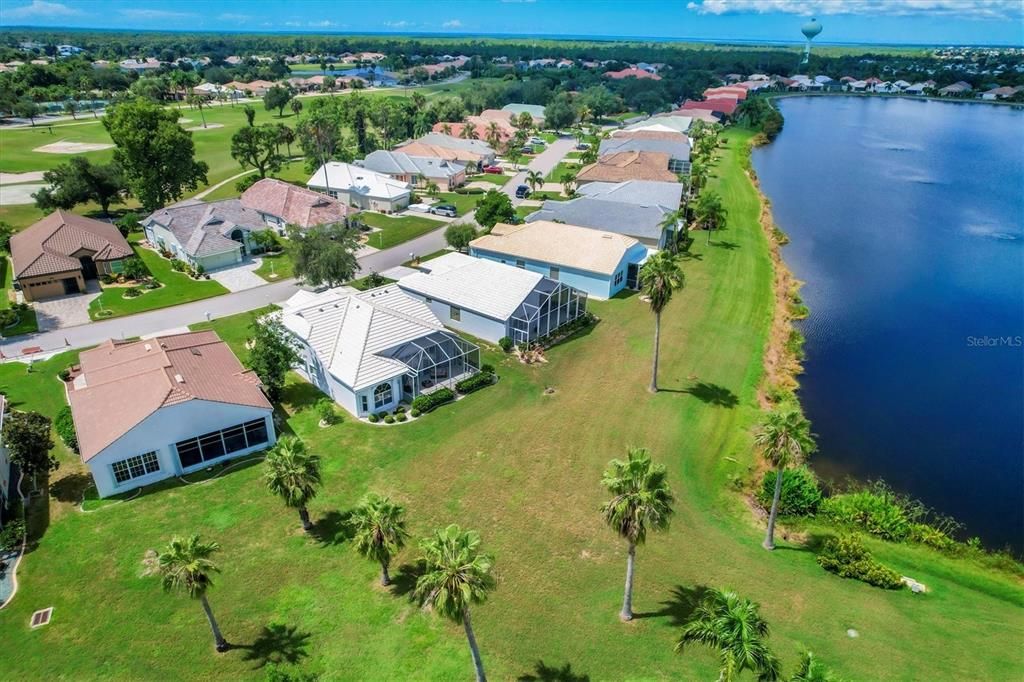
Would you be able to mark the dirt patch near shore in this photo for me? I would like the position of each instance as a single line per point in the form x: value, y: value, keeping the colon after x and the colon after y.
x: 72, y: 147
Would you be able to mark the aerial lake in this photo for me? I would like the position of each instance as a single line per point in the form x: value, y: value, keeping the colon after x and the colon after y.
x: 906, y: 220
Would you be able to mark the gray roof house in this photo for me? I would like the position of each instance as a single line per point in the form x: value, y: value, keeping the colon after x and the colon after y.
x: 212, y: 234
x: 676, y: 146
x: 636, y: 208
x: 416, y: 170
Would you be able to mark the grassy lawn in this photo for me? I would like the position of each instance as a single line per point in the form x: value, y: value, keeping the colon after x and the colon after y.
x: 27, y: 324
x: 563, y: 167
x: 424, y: 259
x: 523, y: 467
x: 523, y: 211
x: 364, y: 283
x: 280, y: 264
x: 492, y: 178
x: 464, y: 203
x: 394, y: 231
x: 177, y: 288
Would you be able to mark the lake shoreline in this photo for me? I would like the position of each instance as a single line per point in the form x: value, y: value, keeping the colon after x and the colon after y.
x: 900, y: 96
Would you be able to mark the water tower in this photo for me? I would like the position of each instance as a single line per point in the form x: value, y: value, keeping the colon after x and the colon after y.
x: 811, y: 29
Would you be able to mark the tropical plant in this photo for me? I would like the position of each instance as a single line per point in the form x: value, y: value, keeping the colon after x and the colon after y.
x: 641, y: 501
x: 432, y: 188
x: 660, y: 278
x: 293, y: 473
x: 457, y: 573
x: 813, y: 670
x: 568, y: 181
x: 734, y: 627
x: 784, y: 438
x: 469, y: 132
x: 847, y: 557
x: 186, y: 566
x: 379, y: 531
x: 674, y: 221
x: 493, y: 134
x: 459, y: 235
x: 534, y: 179
x: 710, y: 212
x: 801, y: 494
x: 273, y: 353
x: 296, y: 106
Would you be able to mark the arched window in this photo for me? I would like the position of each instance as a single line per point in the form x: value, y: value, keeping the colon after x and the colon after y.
x: 382, y: 395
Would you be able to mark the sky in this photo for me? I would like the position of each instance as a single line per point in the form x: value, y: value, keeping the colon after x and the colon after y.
x: 971, y: 22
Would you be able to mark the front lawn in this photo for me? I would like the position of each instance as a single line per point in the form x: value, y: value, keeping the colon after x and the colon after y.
x: 279, y: 264
x: 492, y: 178
x: 177, y: 288
x: 562, y: 168
x: 27, y: 323
x: 464, y: 203
x: 395, y: 230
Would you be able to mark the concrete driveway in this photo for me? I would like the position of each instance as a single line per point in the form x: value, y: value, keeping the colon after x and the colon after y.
x: 543, y: 163
x: 66, y: 311
x: 240, y: 277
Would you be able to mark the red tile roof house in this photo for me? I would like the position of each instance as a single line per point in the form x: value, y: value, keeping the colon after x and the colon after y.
x: 723, y: 105
x: 632, y: 73
x: 736, y: 92
x: 58, y: 254
x: 281, y: 204
x: 148, y: 410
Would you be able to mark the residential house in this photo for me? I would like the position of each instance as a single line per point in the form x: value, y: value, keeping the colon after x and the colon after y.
x: 374, y: 349
x: 734, y: 92
x: 256, y: 88
x: 535, y: 111
x: 666, y: 122
x: 360, y: 187
x: 472, y: 152
x: 418, y: 171
x: 636, y: 208
x: 162, y: 407
x: 6, y: 474
x: 629, y: 165
x: 631, y: 72
x: 957, y: 89
x: 916, y: 89
x: 597, y: 262
x: 139, y: 65
x: 733, y: 77
x: 233, y: 60
x: 208, y: 89
x: 676, y: 145
x: 68, y: 50
x: 59, y: 254
x: 704, y: 109
x: 207, y: 235
x: 565, y: 64
x: 281, y: 204
x: 1001, y: 93
x: 492, y: 301
x: 481, y: 124
x: 725, y: 106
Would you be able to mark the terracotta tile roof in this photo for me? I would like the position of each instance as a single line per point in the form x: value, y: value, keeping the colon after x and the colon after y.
x: 624, y: 166
x: 121, y: 384
x: 501, y: 119
x: 294, y: 205
x: 47, y: 247
x: 632, y: 73
x: 736, y: 92
x: 723, y: 105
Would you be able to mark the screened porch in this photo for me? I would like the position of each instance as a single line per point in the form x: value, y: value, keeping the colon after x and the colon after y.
x: 440, y: 359
x: 550, y: 305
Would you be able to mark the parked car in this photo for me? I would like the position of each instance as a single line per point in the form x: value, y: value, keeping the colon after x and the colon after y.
x: 420, y: 208
x: 583, y: 146
x: 526, y: 150
x: 445, y: 210
x: 522, y: 191
x: 536, y: 140
x: 498, y: 170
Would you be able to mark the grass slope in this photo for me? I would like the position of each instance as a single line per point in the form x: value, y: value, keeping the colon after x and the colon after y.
x: 523, y: 467
x: 396, y: 230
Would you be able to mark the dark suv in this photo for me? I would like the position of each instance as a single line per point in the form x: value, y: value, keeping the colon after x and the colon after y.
x: 522, y: 191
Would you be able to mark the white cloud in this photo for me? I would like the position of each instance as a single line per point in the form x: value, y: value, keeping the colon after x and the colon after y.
x: 398, y: 24
x: 454, y: 23
x: 976, y: 9
x: 230, y: 16
x: 154, y: 14
x: 40, y: 9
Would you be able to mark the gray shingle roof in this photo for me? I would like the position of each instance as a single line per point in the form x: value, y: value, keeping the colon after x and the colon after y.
x: 634, y: 220
x: 639, y: 192
x: 676, y: 149
x: 391, y: 163
x: 205, y: 228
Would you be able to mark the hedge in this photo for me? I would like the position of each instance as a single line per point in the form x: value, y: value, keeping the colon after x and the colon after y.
x: 425, y: 403
x: 847, y: 557
x: 475, y: 383
x: 800, y: 492
x: 64, y: 425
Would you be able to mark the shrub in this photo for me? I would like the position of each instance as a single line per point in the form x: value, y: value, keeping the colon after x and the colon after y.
x: 388, y: 419
x: 152, y: 284
x: 64, y: 374
x: 400, y: 409
x: 426, y: 403
x: 64, y: 425
x: 107, y: 278
x: 847, y: 557
x: 800, y: 492
x: 132, y: 292
x: 930, y: 536
x: 325, y: 409
x: 372, y: 418
x: 381, y: 415
x: 414, y: 412
x: 474, y: 383
x: 8, y: 317
x: 11, y: 534
x: 246, y: 182
x: 134, y: 268
x: 506, y: 344
x: 129, y: 222
x: 400, y: 416
x: 178, y: 265
x: 487, y: 368
x: 877, y: 510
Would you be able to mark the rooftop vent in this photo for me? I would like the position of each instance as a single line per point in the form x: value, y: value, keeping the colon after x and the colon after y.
x: 196, y: 351
x: 41, y: 617
x: 148, y: 347
x: 180, y: 379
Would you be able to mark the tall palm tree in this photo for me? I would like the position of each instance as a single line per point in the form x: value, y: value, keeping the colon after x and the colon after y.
x: 186, y: 566
x: 446, y: 128
x: 585, y: 114
x: 294, y: 474
x: 734, y: 627
x: 660, y: 278
x: 379, y: 526
x: 493, y: 135
x: 641, y: 501
x: 813, y: 670
x: 432, y: 188
x: 457, y: 574
x: 710, y: 212
x: 784, y: 438
x: 568, y: 183
x: 469, y: 132
x: 296, y: 106
x: 698, y: 175
x: 674, y: 220
x: 534, y: 179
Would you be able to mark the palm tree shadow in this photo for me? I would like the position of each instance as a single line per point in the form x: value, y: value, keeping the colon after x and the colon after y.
x: 680, y: 606
x: 276, y: 643
x: 691, y: 255
x: 542, y: 672
x: 332, y: 528
x: 728, y: 246
x: 403, y: 583
x: 713, y: 394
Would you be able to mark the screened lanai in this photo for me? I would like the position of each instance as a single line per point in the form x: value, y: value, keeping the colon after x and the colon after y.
x: 438, y: 359
x: 550, y: 305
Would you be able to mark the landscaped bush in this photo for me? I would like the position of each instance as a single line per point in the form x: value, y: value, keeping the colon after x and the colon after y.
x: 487, y: 368
x: 178, y: 265
x: 129, y: 222
x: 372, y: 418
x: 414, y: 413
x: 134, y: 268
x: 11, y: 534
x: 847, y: 557
x: 107, y: 278
x: 400, y: 409
x: 400, y: 416
x: 132, y: 292
x: 506, y: 344
x: 9, y: 317
x: 64, y: 425
x: 64, y: 374
x: 381, y: 415
x: 425, y: 403
x: 152, y: 284
x: 931, y: 536
x: 389, y: 419
x: 474, y: 383
x: 800, y: 492
x: 325, y: 409
x: 877, y: 510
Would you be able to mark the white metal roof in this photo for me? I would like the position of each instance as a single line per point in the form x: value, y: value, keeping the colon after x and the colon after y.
x: 346, y: 177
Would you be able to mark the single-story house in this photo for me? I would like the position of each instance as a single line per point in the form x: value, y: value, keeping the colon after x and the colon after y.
x: 257, y: 88
x: 1001, y: 93
x: 281, y: 203
x: 210, y: 235
x: 481, y: 124
x: 916, y: 89
x: 536, y: 111
x: 958, y: 88
x: 450, y: 148
x: 491, y: 301
x: 152, y: 409
x: 701, y: 110
x: 56, y: 255
x: 630, y: 165
x: 734, y: 91
x: 374, y: 349
x: 631, y: 72
x: 417, y: 171
x: 676, y: 145
x: 636, y: 208
x: 595, y: 261
x: 360, y: 187
x: 671, y: 121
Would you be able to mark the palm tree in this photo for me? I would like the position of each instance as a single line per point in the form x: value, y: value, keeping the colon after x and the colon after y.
x: 185, y: 566
x: 734, y: 627
x: 673, y: 220
x: 432, y: 188
x: 379, y: 526
x: 294, y: 474
x: 784, y: 438
x: 197, y: 101
x: 446, y: 128
x: 469, y: 132
x: 641, y: 500
x: 698, y: 174
x: 457, y: 574
x: 813, y: 670
x: 585, y: 114
x: 296, y: 106
x: 568, y: 183
x: 660, y: 277
x: 493, y: 135
x: 534, y: 179
x: 710, y: 212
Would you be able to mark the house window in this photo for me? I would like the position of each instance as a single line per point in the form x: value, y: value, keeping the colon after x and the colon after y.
x: 136, y: 466
x: 553, y: 272
x: 618, y: 278
x: 208, y: 446
x: 382, y: 395
x: 366, y: 403
x: 521, y: 264
x: 455, y: 313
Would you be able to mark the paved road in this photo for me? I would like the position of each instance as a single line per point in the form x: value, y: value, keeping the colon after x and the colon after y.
x: 543, y: 163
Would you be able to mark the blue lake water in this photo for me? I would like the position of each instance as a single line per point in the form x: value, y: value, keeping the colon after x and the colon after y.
x: 907, y: 226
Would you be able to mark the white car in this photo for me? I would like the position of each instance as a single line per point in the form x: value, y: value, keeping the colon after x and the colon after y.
x: 536, y: 140
x: 420, y: 208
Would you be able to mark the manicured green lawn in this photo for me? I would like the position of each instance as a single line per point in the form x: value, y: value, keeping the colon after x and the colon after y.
x: 563, y: 167
x: 178, y: 288
x: 492, y: 178
x: 464, y: 203
x: 279, y: 264
x: 394, y: 231
x: 423, y: 259
x: 523, y: 467
x: 27, y: 323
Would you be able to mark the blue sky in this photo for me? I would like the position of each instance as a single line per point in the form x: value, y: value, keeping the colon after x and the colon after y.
x: 867, y: 21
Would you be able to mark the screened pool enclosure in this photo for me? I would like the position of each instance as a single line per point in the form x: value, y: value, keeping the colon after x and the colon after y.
x: 436, y: 360
x: 550, y: 305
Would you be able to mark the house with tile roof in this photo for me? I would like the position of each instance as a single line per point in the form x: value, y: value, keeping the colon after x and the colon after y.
x: 631, y: 72
x: 60, y: 253
x: 675, y: 144
x: 372, y: 350
x: 281, y: 204
x: 360, y: 187
x: 628, y: 165
x: 471, y: 152
x: 148, y: 410
x: 211, y: 235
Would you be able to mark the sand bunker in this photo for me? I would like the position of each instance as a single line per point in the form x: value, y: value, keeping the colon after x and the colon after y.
x: 71, y: 147
x: 209, y: 126
x: 184, y: 120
